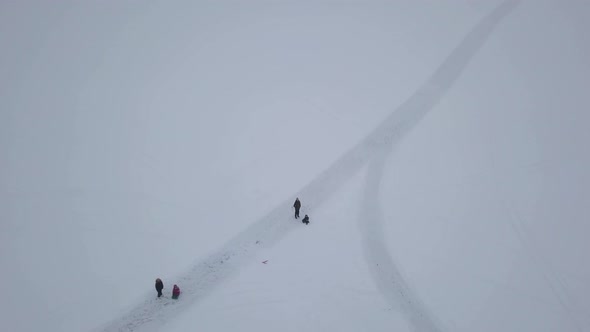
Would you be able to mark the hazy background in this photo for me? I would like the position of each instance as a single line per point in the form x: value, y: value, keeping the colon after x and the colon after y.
x: 138, y: 137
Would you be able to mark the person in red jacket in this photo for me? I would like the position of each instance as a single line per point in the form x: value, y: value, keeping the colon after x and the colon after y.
x: 175, y: 292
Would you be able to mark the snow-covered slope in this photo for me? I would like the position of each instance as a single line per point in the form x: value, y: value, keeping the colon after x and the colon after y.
x: 170, y: 140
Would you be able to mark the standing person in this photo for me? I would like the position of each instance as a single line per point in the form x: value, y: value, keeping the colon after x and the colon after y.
x: 159, y: 286
x: 297, y: 206
x: 175, y: 292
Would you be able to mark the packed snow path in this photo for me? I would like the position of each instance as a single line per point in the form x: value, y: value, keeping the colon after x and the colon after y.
x: 200, y: 280
x: 386, y: 275
x: 384, y: 271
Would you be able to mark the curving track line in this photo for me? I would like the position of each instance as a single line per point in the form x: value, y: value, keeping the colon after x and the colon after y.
x: 383, y: 269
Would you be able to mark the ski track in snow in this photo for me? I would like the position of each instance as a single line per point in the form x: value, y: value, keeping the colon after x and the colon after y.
x: 555, y: 282
x: 202, y: 278
x: 383, y: 269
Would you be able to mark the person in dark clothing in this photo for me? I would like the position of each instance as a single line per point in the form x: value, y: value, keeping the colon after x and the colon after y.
x: 159, y: 286
x: 297, y: 206
x: 305, y: 220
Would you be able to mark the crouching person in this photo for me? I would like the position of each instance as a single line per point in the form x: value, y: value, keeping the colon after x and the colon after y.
x: 159, y: 286
x: 175, y: 292
x: 305, y: 220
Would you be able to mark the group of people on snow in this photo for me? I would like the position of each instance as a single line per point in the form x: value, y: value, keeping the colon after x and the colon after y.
x: 176, y: 289
x: 297, y: 206
x: 160, y: 286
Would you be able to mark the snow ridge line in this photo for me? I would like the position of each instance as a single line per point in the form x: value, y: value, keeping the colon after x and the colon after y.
x: 202, y: 279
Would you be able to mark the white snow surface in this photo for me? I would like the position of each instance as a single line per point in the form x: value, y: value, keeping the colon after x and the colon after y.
x: 438, y: 148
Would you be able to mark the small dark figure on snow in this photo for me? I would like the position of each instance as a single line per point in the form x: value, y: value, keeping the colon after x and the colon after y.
x: 159, y: 286
x: 297, y: 206
x: 305, y: 220
x: 175, y: 292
